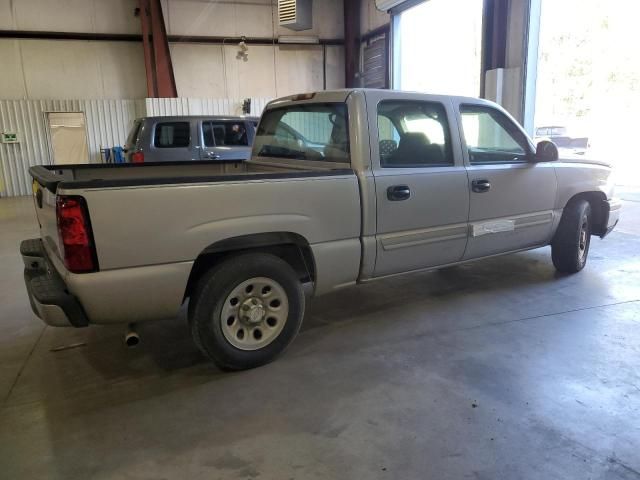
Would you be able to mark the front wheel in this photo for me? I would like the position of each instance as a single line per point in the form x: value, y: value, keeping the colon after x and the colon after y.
x: 570, y: 245
x: 246, y: 310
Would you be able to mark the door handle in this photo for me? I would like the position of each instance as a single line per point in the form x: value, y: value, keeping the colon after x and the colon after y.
x: 480, y: 186
x: 213, y: 155
x: 397, y: 193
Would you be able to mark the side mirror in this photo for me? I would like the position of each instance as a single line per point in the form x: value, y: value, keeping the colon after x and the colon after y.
x: 546, y: 151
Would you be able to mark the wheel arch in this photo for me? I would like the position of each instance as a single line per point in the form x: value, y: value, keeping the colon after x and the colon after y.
x: 597, y: 201
x: 291, y: 247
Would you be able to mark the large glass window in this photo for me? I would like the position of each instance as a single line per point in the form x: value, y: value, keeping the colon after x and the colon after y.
x: 437, y: 47
x: 172, y: 135
x: 413, y: 134
x: 304, y: 132
x: 491, y: 137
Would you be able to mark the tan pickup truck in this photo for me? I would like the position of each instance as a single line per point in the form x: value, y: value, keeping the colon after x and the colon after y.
x: 343, y: 187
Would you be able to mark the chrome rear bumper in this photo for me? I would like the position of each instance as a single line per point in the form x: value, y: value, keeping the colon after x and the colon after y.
x: 48, y: 295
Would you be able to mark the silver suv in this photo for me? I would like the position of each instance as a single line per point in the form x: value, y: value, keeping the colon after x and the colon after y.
x: 190, y: 138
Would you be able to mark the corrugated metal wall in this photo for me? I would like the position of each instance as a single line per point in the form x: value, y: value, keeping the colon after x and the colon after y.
x: 201, y: 106
x: 107, y: 121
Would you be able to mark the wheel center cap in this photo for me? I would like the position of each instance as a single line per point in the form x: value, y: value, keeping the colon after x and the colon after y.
x: 252, y: 310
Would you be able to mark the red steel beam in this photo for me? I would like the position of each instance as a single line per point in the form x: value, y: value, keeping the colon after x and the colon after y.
x: 147, y: 46
x: 164, y: 67
x: 157, y: 57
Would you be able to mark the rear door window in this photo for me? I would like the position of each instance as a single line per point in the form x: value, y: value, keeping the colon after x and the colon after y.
x: 224, y: 134
x: 172, y: 135
x: 413, y: 134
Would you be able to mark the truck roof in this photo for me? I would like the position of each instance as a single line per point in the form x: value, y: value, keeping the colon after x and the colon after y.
x: 340, y: 95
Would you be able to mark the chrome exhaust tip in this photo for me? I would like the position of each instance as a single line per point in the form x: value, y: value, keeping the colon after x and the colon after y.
x: 131, y: 337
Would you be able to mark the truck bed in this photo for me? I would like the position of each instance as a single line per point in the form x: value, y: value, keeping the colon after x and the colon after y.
x: 53, y: 177
x: 151, y: 222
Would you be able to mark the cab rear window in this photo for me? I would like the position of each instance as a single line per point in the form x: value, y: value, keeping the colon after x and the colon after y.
x: 317, y: 132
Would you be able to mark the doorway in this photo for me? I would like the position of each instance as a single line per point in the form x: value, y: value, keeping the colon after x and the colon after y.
x: 588, y: 81
x: 68, y: 137
x: 437, y: 47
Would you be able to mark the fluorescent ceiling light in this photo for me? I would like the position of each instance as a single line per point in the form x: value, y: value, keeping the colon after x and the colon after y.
x: 298, y: 39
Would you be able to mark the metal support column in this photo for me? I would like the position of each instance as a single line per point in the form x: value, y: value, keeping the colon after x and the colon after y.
x: 351, y: 42
x: 157, y: 57
x: 494, y: 37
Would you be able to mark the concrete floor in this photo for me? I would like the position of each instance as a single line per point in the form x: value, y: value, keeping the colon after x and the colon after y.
x: 495, y: 370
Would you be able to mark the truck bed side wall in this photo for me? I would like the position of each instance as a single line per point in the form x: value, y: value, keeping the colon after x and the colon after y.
x: 147, y: 238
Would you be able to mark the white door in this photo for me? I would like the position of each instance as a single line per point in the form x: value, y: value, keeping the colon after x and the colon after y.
x: 68, y: 135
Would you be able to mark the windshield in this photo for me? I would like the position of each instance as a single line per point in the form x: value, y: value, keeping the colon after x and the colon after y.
x: 304, y: 132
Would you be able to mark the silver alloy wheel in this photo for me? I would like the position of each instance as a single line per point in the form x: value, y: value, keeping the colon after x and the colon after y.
x: 582, y: 241
x: 254, y: 313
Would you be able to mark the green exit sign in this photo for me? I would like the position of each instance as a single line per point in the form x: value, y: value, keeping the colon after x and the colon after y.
x: 8, y: 137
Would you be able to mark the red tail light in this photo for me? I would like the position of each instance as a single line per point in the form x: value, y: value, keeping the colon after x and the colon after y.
x: 76, y: 238
x: 137, y: 157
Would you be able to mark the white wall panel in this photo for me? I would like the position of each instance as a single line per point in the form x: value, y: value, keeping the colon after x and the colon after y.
x: 214, y: 71
x: 63, y: 69
x: 44, y: 69
x: 251, y: 18
x: 198, y: 69
x: 299, y: 69
x: 55, y: 15
x: 7, y: 22
x: 93, y: 16
x: 108, y: 122
x: 255, y: 17
x: 335, y: 67
x: 12, y: 84
x: 254, y: 77
x: 116, y: 16
x: 121, y: 70
x: 220, y: 18
x: 195, y: 17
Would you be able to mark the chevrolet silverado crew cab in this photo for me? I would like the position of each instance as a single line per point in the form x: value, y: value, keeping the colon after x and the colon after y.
x: 343, y: 187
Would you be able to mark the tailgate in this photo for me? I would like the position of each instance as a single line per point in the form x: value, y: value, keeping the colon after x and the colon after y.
x: 45, y: 205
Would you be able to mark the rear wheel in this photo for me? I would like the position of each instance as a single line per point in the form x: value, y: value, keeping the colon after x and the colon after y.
x: 246, y: 310
x: 570, y: 245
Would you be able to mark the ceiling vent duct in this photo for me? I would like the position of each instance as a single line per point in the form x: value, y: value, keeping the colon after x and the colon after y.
x: 295, y: 14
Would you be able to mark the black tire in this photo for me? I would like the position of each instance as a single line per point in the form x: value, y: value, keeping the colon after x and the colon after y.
x: 210, y: 297
x: 570, y: 245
